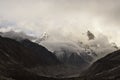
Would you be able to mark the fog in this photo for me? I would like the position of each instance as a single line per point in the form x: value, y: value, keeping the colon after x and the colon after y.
x: 62, y: 19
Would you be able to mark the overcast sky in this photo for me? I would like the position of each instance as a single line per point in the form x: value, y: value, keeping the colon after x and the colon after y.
x: 68, y: 18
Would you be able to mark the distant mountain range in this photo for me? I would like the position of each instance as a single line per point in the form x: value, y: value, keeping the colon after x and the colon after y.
x: 22, y: 59
x: 18, y: 59
x: 106, y: 68
x: 73, y: 58
x: 64, y: 55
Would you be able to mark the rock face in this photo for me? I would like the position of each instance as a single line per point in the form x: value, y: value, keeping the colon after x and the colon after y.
x: 16, y: 59
x: 107, y: 68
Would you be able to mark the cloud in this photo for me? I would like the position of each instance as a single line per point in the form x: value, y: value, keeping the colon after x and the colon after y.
x: 64, y: 18
x: 16, y: 35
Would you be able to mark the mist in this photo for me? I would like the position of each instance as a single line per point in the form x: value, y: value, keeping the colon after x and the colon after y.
x: 64, y: 21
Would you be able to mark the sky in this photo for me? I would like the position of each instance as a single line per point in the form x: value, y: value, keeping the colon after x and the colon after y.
x: 68, y: 19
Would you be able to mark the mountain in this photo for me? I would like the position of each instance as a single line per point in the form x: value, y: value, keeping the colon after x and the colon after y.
x: 90, y: 35
x: 71, y: 58
x: 69, y: 53
x: 106, y: 68
x: 46, y: 56
x: 43, y: 62
x: 26, y: 60
x: 43, y: 37
x: 16, y: 61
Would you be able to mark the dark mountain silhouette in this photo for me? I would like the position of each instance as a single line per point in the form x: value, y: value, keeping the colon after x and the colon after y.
x: 34, y: 56
x: 17, y: 59
x: 47, y: 58
x: 106, y: 68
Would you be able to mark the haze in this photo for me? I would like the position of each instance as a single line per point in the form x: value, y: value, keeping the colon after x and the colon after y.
x: 68, y: 19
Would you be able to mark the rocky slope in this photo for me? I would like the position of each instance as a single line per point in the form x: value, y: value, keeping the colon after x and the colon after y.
x: 16, y: 60
x: 106, y: 68
x: 47, y: 57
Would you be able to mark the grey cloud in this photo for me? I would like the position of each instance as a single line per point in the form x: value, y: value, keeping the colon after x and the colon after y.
x: 65, y: 18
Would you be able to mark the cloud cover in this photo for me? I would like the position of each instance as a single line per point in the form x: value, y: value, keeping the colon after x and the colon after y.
x: 68, y: 19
